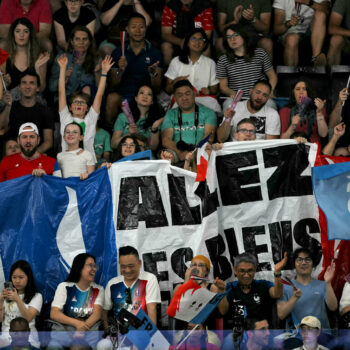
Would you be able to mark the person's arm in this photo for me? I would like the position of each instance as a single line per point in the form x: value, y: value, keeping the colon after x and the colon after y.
x: 91, y: 27
x: 62, y: 100
x: 331, y: 299
x: 271, y: 137
x: 223, y: 306
x: 140, y: 9
x: 104, y: 318
x: 106, y: 65
x: 224, y: 130
x: 156, y: 74
x: 48, y: 141
x: 335, y: 117
x: 152, y: 312
x: 155, y: 130
x: 57, y: 315
x: 277, y: 290
x: 272, y: 76
x: 167, y: 141
x: 322, y: 126
x: 284, y: 308
x: 27, y: 313
x: 262, y: 24
x: 291, y: 128
x: 95, y: 316
x: 223, y: 83
x: 280, y: 24
x: 41, y: 68
x: 169, y: 87
x: 5, y: 114
x: 222, y: 17
x: 107, y: 16
x: 60, y: 36
x: 44, y: 31
x: 334, y: 26
x: 116, y: 137
x: 323, y: 6
x: 209, y: 129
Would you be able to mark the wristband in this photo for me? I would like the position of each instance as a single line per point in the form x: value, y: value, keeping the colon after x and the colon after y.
x: 253, y: 20
x: 277, y: 274
x: 153, y: 75
x: 103, y: 75
x: 154, y: 131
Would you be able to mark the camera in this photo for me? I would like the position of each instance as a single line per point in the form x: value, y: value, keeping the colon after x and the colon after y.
x: 183, y: 146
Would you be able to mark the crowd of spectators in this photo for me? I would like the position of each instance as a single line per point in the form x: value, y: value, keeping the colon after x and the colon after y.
x: 90, y: 82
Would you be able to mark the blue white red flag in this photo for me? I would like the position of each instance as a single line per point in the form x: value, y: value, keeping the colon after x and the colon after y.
x: 147, y: 336
x: 331, y: 187
x: 202, y: 159
x: 192, y: 303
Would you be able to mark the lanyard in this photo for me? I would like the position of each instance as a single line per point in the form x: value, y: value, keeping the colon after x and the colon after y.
x: 196, y: 120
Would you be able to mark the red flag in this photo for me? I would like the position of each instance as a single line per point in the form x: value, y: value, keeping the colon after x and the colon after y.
x: 4, y: 55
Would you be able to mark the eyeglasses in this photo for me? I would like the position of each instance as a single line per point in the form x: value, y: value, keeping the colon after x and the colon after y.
x: 128, y: 299
x: 201, y: 265
x: 71, y: 132
x: 234, y: 35
x: 79, y: 103
x: 74, y: 1
x: 92, y: 266
x: 306, y: 260
x: 198, y: 39
x: 131, y: 145
x: 246, y: 131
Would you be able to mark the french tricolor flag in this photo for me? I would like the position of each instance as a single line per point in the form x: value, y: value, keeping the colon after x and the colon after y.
x: 202, y: 159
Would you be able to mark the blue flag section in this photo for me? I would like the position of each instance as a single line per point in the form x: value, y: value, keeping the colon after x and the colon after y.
x: 59, y: 218
x: 137, y: 156
x: 147, y: 335
x: 331, y: 184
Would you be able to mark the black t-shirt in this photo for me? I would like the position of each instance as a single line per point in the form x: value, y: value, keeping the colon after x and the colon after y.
x: 39, y: 114
x: 61, y: 17
x: 257, y: 303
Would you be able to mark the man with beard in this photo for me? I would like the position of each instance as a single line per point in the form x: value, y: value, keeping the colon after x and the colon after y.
x: 266, y: 119
x: 29, y: 160
x: 27, y: 109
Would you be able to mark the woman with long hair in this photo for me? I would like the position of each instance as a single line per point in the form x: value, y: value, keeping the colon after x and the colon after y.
x: 304, y: 113
x: 127, y: 146
x: 25, y: 54
x: 147, y: 117
x: 80, y: 74
x: 200, y: 70
x: 78, y: 302
x: 20, y: 298
x: 242, y: 65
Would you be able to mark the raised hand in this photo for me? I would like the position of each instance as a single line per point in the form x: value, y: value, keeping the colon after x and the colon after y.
x: 106, y: 64
x: 328, y: 276
x: 280, y: 265
x: 62, y: 61
x: 42, y: 59
x: 319, y: 104
x: 248, y: 14
x: 339, y: 129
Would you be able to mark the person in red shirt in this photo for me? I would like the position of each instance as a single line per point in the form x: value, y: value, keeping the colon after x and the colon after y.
x: 37, y: 11
x: 29, y: 160
x: 178, y: 18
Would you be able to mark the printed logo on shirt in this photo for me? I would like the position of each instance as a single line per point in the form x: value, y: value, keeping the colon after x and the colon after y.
x: 256, y: 298
x: 198, y: 24
x: 260, y: 124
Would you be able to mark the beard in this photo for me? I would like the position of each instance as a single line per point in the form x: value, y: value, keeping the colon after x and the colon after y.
x: 255, y: 106
x: 28, y: 153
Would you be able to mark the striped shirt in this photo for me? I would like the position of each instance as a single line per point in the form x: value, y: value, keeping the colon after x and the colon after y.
x: 242, y: 75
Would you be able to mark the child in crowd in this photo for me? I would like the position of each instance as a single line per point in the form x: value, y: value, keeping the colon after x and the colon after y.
x: 75, y: 161
x: 11, y: 147
x: 102, y: 145
x: 78, y: 105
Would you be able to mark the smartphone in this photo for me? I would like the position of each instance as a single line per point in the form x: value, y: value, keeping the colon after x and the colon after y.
x: 8, y: 285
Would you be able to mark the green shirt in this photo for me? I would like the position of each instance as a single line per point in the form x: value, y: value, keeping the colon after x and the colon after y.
x: 122, y: 123
x: 342, y: 7
x: 102, y: 142
x: 228, y: 7
x: 189, y: 133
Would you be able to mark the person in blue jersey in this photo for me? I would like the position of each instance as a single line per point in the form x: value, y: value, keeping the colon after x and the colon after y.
x: 78, y: 302
x: 131, y: 290
x: 20, y: 298
x: 247, y: 293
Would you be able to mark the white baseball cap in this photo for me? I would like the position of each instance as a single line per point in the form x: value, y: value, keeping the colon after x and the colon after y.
x: 310, y: 321
x: 28, y: 127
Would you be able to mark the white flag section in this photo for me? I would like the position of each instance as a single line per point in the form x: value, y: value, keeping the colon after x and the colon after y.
x: 258, y: 198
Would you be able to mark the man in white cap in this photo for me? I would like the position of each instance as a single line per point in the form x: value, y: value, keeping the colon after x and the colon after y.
x: 29, y: 160
x: 310, y: 330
